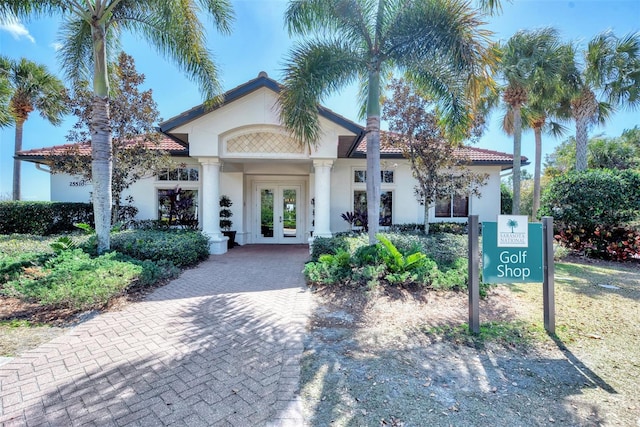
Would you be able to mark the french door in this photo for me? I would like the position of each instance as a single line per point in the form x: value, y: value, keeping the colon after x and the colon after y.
x: 278, y: 214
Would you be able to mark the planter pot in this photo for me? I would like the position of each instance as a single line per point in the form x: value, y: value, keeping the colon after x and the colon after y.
x: 232, y: 238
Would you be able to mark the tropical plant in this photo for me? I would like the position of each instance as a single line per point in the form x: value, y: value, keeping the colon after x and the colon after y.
x: 92, y: 29
x: 396, y: 262
x: 528, y: 58
x: 547, y: 109
x: 611, y: 68
x: 439, y: 45
x: 32, y: 88
x: 5, y: 92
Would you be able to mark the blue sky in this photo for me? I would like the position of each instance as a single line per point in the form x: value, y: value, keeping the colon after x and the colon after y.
x: 259, y: 42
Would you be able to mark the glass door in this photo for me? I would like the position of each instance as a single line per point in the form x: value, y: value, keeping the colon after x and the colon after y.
x: 278, y: 213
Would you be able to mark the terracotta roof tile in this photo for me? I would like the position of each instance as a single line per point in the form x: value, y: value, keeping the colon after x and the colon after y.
x: 475, y: 154
x: 84, y: 148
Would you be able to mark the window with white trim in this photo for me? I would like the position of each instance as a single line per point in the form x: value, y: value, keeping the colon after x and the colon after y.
x: 360, y: 176
x: 177, y: 207
x: 386, y: 205
x: 179, y: 174
x: 452, y: 207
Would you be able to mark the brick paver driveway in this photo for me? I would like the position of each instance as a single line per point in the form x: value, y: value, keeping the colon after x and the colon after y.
x: 218, y: 346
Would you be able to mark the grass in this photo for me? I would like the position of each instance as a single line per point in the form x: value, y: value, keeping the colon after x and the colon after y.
x: 513, y: 335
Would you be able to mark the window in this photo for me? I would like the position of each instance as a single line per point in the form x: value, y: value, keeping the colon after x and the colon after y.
x: 386, y: 205
x: 360, y: 176
x: 456, y: 207
x: 179, y: 174
x: 178, y: 207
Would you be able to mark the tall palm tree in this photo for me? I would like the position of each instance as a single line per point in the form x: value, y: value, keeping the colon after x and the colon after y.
x: 528, y: 58
x: 612, y: 70
x: 32, y: 88
x: 438, y: 45
x: 91, y: 31
x: 548, y: 108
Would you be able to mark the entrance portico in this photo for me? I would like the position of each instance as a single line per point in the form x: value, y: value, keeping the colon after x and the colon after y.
x: 280, y: 189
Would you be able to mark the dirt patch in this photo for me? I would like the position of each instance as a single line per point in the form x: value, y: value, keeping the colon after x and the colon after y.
x: 387, y: 359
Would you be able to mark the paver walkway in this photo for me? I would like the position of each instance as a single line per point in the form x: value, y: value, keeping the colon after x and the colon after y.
x: 218, y: 346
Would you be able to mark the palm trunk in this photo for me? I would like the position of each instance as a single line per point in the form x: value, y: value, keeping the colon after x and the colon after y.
x: 101, y: 167
x: 517, y: 150
x: 582, y: 137
x: 536, y: 172
x: 17, y: 164
x: 373, y: 155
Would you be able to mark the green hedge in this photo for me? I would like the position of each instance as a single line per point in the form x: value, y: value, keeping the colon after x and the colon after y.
x: 42, y: 218
x: 181, y: 247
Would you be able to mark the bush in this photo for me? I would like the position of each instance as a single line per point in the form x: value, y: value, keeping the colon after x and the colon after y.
x: 592, y: 210
x: 180, y: 247
x: 592, y: 198
x: 42, y: 218
x: 399, y: 260
x: 327, y: 245
x: 506, y: 199
x: 75, y: 280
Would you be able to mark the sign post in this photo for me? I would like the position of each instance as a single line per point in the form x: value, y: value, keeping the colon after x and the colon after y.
x: 548, y: 285
x: 474, y: 282
x: 513, y: 251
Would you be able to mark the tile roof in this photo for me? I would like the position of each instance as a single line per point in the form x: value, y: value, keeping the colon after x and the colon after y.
x: 475, y: 154
x: 84, y: 149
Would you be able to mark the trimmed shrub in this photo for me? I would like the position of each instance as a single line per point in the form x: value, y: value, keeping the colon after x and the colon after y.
x: 327, y: 245
x: 42, y: 218
x: 75, y: 280
x: 180, y: 247
x: 592, y: 210
x: 591, y: 198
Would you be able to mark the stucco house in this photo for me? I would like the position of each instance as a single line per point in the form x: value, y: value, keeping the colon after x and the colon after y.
x: 282, y: 192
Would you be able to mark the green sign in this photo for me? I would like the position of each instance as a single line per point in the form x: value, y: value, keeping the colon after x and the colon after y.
x: 519, y: 264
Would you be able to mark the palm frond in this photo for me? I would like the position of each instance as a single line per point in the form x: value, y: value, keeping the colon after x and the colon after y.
x: 353, y: 19
x: 314, y: 70
x: 175, y: 30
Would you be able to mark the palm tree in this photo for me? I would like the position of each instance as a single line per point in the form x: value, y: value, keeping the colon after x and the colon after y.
x: 5, y: 91
x: 91, y: 31
x: 32, y: 88
x: 528, y: 58
x: 611, y: 68
x: 438, y: 45
x: 549, y: 109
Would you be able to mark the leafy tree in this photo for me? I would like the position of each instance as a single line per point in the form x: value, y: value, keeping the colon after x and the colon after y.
x: 611, y: 69
x: 439, y: 45
x: 135, y: 148
x: 506, y: 199
x: 529, y: 58
x: 91, y: 30
x: 439, y: 170
x: 621, y: 153
x: 526, y: 193
x: 31, y: 87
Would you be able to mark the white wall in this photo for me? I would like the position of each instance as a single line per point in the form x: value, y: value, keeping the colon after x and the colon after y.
x: 406, y: 208
x: 68, y: 188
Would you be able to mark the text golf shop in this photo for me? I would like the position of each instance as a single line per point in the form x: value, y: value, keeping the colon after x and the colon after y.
x: 511, y: 265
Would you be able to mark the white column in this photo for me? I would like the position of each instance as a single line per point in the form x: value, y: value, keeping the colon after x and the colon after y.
x: 323, y: 198
x: 211, y: 205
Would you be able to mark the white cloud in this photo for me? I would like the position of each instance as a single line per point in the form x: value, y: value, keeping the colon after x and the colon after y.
x: 13, y: 26
x: 56, y: 46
